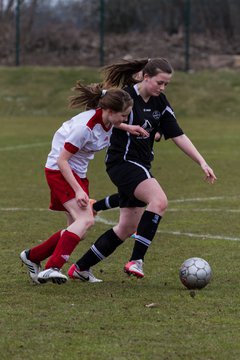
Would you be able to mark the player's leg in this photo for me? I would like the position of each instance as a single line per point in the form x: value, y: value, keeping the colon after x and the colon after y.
x: 108, y: 242
x: 150, y: 192
x: 109, y: 202
x: 75, y: 232
x: 32, y: 257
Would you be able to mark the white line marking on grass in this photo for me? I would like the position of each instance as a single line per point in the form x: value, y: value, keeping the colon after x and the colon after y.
x: 169, y: 210
x: 105, y: 221
x: 205, y: 210
x: 204, y: 199
x: 23, y: 146
x: 23, y: 209
x: 202, y: 236
x: 112, y: 223
x: 213, y: 198
x: 177, y: 233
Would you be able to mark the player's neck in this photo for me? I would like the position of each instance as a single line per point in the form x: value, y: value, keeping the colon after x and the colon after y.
x: 145, y: 96
x: 105, y: 119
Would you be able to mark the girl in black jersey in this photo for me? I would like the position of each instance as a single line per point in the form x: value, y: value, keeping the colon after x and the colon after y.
x: 129, y: 160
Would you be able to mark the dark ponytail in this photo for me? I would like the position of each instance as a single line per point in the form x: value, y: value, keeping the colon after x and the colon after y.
x: 122, y: 73
x: 93, y: 96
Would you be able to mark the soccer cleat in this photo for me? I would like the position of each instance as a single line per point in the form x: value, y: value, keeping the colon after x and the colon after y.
x: 33, y: 268
x: 92, y: 202
x: 86, y: 275
x: 52, y: 274
x: 134, y: 267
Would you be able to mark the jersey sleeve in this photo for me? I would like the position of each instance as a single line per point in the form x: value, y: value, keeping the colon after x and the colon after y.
x: 70, y: 148
x: 169, y: 126
x: 77, y: 138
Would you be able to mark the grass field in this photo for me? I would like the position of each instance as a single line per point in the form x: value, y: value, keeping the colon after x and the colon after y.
x: 109, y: 321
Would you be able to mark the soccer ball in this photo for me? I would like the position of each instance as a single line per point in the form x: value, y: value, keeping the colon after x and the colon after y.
x: 195, y: 273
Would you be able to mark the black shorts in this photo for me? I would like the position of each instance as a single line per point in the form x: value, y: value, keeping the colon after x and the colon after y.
x: 127, y: 175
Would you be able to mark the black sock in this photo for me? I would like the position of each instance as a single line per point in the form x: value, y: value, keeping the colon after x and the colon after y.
x: 108, y: 202
x: 105, y: 245
x: 146, y: 230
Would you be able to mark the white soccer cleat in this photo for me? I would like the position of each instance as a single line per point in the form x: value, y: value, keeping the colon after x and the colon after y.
x: 52, y: 274
x: 33, y: 268
x: 86, y: 275
x: 134, y: 267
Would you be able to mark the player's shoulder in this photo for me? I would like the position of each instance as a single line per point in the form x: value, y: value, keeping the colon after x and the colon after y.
x: 163, y: 101
x: 78, y: 123
x: 131, y: 90
x: 83, y: 117
x: 162, y: 97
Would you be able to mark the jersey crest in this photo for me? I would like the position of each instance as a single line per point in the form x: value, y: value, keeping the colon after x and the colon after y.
x: 156, y: 115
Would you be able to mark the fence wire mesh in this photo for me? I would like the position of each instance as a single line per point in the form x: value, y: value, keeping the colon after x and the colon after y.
x: 192, y: 34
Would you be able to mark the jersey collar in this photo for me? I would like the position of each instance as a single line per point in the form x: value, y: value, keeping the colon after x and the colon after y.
x: 136, y: 89
x: 100, y: 120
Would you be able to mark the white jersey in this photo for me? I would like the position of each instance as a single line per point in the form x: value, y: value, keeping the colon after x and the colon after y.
x: 82, y: 135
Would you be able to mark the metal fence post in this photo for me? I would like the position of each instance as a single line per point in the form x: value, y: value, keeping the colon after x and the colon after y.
x: 102, y: 16
x: 187, y: 15
x: 17, y: 40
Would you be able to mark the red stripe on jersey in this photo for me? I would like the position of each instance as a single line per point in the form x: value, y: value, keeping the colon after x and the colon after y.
x: 71, y: 148
x: 97, y: 119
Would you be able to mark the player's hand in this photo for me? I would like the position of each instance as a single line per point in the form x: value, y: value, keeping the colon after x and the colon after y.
x: 137, y: 130
x: 82, y: 199
x: 157, y: 137
x: 210, y: 176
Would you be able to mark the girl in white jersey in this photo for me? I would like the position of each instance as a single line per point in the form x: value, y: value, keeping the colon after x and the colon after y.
x: 73, y: 146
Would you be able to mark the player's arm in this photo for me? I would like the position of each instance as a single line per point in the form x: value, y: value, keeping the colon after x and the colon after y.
x: 185, y: 144
x: 64, y: 167
x: 133, y: 129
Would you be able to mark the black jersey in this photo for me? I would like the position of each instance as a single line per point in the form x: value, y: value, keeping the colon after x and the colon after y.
x: 154, y: 115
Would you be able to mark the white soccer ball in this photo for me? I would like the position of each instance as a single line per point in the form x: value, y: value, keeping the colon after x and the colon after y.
x: 195, y: 273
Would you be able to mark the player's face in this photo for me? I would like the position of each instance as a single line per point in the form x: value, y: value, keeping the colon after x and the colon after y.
x: 155, y: 85
x: 116, y: 118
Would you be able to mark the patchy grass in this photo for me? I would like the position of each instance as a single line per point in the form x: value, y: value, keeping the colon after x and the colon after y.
x: 110, y: 320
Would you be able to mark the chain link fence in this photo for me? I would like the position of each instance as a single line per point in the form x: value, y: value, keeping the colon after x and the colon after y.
x: 192, y: 34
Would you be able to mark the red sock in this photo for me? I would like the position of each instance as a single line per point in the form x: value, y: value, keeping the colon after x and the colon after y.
x: 45, y: 249
x: 63, y: 250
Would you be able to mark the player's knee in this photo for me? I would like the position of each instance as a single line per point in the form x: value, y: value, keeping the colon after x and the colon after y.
x: 86, y: 222
x: 164, y: 203
x: 159, y: 204
x: 89, y: 222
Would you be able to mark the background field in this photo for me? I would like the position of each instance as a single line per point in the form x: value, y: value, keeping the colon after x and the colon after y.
x: 110, y: 320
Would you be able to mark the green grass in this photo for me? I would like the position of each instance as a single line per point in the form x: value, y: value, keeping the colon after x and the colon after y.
x: 110, y: 320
